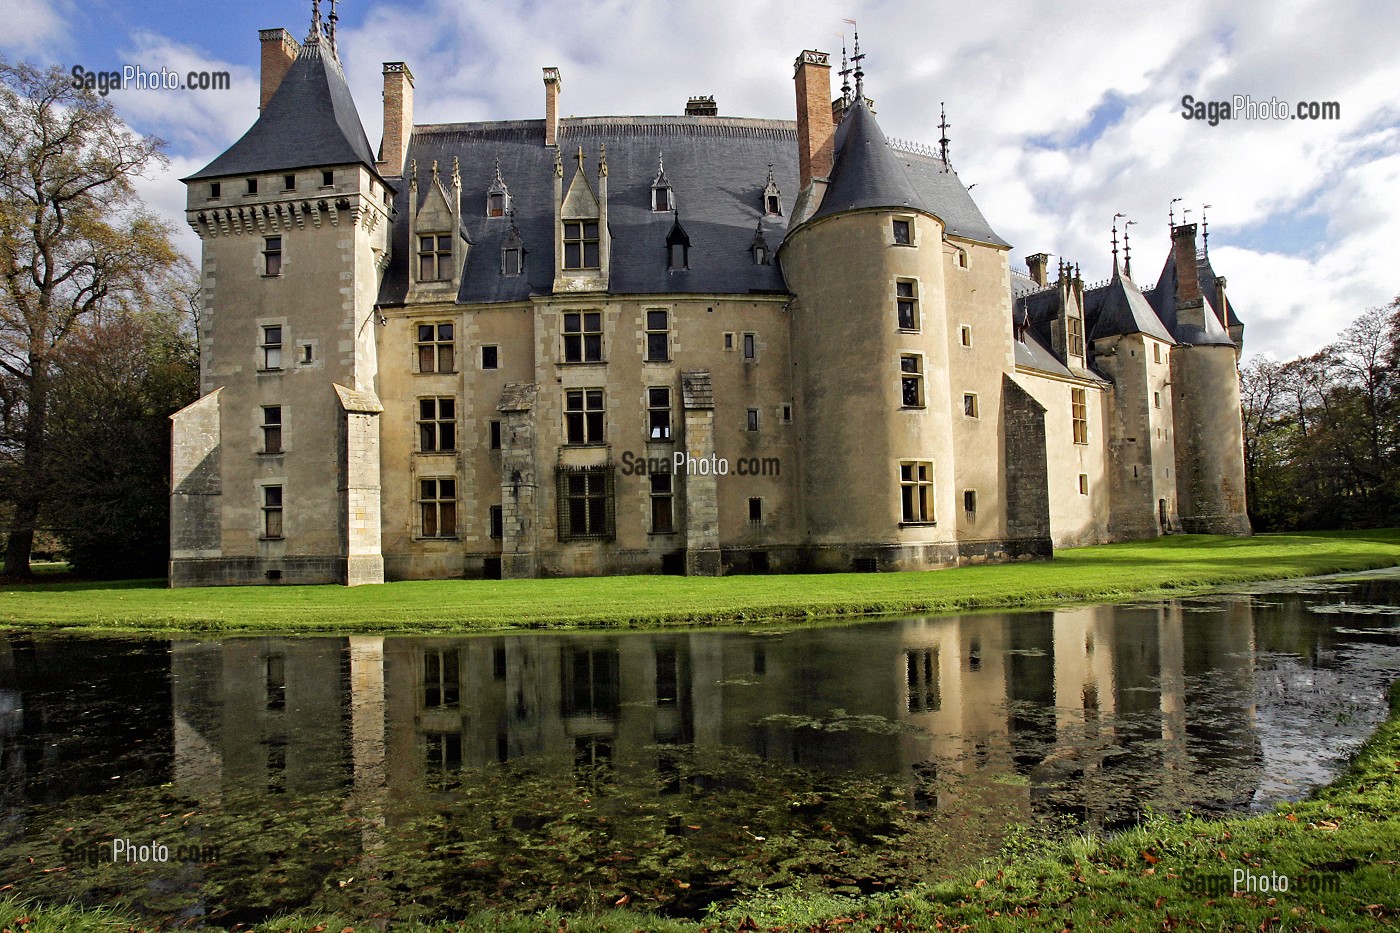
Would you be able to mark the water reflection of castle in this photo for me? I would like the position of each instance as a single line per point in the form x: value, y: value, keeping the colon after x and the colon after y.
x: 1053, y: 696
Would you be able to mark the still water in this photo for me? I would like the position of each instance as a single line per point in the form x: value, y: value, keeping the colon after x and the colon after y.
x: 429, y: 776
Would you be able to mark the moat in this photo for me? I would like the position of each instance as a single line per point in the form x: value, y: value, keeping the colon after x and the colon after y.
x: 425, y: 777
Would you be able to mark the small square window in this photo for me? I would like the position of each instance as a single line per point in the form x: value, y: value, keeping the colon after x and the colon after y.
x: 490, y: 357
x: 495, y: 435
x: 755, y: 510
x: 327, y: 179
x: 752, y: 423
x: 215, y: 191
x: 289, y: 182
x: 903, y: 233
x: 308, y: 352
x: 252, y: 186
x: 969, y: 404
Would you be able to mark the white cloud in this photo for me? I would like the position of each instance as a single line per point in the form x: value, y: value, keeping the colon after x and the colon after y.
x: 34, y: 26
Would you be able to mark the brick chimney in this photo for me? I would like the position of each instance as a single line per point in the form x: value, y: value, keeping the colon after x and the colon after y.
x: 702, y: 106
x: 279, y: 50
x: 553, y: 84
x: 398, y: 118
x: 1188, y: 282
x: 1039, y: 266
x: 815, y: 127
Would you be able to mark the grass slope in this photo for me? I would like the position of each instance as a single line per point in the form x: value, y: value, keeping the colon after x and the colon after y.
x: 1104, y: 572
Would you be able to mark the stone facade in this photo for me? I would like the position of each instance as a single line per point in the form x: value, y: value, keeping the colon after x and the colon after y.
x: 578, y: 346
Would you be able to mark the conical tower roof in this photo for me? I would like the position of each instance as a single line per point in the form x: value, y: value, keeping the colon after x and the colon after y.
x: 867, y: 172
x: 311, y: 120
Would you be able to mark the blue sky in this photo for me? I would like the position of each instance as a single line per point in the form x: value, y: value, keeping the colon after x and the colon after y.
x: 1062, y: 113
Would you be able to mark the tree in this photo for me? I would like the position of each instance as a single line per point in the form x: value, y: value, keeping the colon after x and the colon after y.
x: 77, y: 248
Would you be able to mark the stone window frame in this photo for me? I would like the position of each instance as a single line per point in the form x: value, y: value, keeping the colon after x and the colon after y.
x: 436, y: 344
x: 750, y: 344
x: 965, y: 335
x: 1075, y: 329
x: 595, y: 484
x: 662, y: 503
x: 1079, y: 415
x: 271, y: 502
x: 970, y: 504
x: 910, y: 229
x: 271, y: 345
x: 441, y: 506
x: 271, y: 429
x: 971, y: 406
x: 1083, y: 484
x: 495, y: 356
x: 437, y: 424
x: 911, y: 375
x: 917, y: 504
x: 585, y: 423
x: 578, y: 236
x: 657, y: 336
x: 751, y: 420
x: 494, y: 434
x: 906, y: 298
x: 434, y: 247
x: 496, y: 522
x: 582, y: 343
x: 660, y: 417
x: 272, y: 256
x: 755, y: 510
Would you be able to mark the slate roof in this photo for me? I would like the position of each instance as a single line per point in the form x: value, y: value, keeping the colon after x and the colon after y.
x: 1120, y: 308
x: 717, y: 168
x: 1163, y: 301
x: 867, y: 171
x: 1032, y: 353
x: 311, y: 120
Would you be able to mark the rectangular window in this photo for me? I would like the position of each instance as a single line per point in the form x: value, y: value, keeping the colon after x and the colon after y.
x: 750, y: 347
x: 583, y: 337
x: 289, y: 182
x: 1083, y: 484
x: 969, y: 405
x: 1076, y: 337
x: 490, y: 357
x: 272, y: 347
x: 787, y: 414
x: 585, y: 502
x: 252, y: 186
x: 215, y: 191
x: 906, y: 304
x: 437, y: 425
x: 434, y: 258
x: 658, y: 337
x: 658, y: 413
x: 307, y: 353
x: 327, y: 179
x: 1079, y: 414
x: 755, y: 510
x: 495, y: 435
x: 729, y: 341
x: 435, y: 348
x: 272, y: 511
x: 751, y: 423
x: 272, y: 429
x: 1156, y: 399
x: 437, y: 505
x: 916, y: 492
x: 272, y: 255
x: 662, y: 504
x: 965, y: 335
x: 903, y: 233
x: 911, y: 380
x: 1156, y: 352
x: 442, y: 678
x: 496, y: 519
x: 580, y: 244
x: 583, y: 416
x: 970, y: 502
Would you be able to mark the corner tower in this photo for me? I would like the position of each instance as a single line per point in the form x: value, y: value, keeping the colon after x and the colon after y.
x: 293, y: 220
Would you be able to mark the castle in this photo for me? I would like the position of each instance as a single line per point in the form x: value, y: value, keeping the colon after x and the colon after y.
x: 686, y: 344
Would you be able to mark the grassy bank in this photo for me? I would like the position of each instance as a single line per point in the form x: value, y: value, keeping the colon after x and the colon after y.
x: 1106, y: 572
x: 1338, y: 850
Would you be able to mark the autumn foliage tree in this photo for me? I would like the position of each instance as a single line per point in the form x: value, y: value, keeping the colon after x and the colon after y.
x: 78, y: 251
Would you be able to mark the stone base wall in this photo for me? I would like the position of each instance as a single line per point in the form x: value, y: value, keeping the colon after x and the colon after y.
x: 251, y: 571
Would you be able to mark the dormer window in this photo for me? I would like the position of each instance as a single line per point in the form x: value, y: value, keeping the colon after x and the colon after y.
x: 759, y: 247
x: 498, y: 195
x: 434, y: 258
x: 580, y: 244
x: 512, y: 250
x: 677, y: 248
x: 772, y: 197
x: 661, y: 196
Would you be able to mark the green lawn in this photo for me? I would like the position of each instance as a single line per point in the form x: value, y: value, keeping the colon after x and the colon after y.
x: 1106, y: 572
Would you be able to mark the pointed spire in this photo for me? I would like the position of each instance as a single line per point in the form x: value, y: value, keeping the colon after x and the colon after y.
x: 579, y: 158
x: 1115, y: 242
x: 317, y: 27
x: 1127, y: 251
x: 333, y: 19
x: 856, y: 59
x: 1205, y: 230
x: 845, y: 68
x: 602, y: 160
x: 435, y: 170
x: 943, y: 140
x: 1171, y: 215
x: 456, y: 173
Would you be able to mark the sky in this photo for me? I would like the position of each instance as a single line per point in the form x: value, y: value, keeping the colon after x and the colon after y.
x: 1062, y: 114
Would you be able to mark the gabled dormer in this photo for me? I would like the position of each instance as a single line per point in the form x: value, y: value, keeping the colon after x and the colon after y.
x: 663, y: 199
x: 759, y: 247
x: 1067, y: 329
x: 581, y: 227
x: 772, y: 197
x: 513, y: 250
x: 677, y: 247
x: 436, y: 238
x: 498, y: 195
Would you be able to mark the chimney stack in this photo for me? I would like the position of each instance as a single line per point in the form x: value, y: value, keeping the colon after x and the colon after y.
x: 1039, y: 266
x: 702, y: 107
x: 279, y: 50
x: 1188, y: 281
x: 553, y: 84
x: 815, y: 127
x: 398, y: 118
